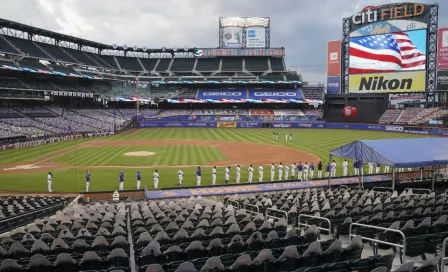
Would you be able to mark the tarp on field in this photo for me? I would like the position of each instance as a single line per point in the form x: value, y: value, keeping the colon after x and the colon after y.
x: 399, y: 153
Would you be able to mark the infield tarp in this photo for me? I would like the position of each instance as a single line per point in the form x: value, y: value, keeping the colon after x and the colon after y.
x: 255, y: 187
x: 400, y: 153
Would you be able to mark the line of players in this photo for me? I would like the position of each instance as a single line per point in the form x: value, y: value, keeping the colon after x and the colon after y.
x: 304, y: 172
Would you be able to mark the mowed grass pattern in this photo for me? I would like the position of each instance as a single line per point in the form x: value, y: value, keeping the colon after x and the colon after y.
x: 317, y: 141
x: 164, y: 155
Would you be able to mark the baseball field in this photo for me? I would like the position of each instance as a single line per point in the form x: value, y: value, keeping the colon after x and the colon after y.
x: 168, y: 150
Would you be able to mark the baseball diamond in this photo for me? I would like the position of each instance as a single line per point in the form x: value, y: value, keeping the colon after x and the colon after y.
x: 174, y: 148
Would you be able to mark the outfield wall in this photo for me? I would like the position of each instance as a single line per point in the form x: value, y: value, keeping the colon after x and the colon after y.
x: 372, y: 127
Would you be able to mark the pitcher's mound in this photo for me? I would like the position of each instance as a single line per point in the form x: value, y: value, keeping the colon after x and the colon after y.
x: 140, y: 154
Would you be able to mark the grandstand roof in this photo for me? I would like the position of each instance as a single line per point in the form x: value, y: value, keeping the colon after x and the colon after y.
x: 400, y: 153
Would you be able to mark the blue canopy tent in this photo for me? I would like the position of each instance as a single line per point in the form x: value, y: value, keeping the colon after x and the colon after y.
x: 398, y: 153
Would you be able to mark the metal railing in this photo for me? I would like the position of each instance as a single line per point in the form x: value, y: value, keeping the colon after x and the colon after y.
x: 428, y: 191
x: 382, y: 188
x: 315, y: 217
x: 444, y: 259
x: 403, y: 246
x: 246, y: 205
x: 233, y: 203
x: 267, y: 216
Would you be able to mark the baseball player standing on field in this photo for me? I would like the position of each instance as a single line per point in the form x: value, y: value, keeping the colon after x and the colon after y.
x: 198, y: 176
x: 371, y: 168
x: 280, y: 171
x: 305, y: 171
x: 138, y: 178
x: 251, y: 173
x: 120, y: 187
x: 214, y: 175
x: 156, y: 179
x: 299, y: 171
x: 286, y: 172
x: 312, y: 170
x: 319, y: 170
x: 378, y: 168
x: 180, y: 176
x: 344, y: 168
x: 260, y: 173
x: 333, y: 168
x: 50, y: 181
x: 356, y: 167
x: 227, y: 175
x: 87, y: 180
x: 272, y: 171
x: 293, y: 170
x: 238, y: 173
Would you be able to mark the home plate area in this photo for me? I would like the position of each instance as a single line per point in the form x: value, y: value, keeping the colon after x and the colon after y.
x: 256, y: 187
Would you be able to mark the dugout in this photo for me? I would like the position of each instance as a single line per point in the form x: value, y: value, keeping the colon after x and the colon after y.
x: 397, y: 153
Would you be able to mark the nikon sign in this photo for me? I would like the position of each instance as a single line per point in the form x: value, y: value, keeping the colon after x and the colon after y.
x: 388, y: 82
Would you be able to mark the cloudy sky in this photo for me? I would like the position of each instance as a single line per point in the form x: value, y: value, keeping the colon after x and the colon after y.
x: 303, y: 27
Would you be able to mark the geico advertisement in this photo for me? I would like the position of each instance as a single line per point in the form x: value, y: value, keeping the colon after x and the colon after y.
x: 388, y: 82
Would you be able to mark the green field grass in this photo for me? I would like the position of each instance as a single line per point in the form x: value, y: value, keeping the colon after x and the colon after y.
x: 71, y: 179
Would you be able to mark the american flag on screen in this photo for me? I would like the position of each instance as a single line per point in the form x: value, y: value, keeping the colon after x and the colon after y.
x: 385, y: 53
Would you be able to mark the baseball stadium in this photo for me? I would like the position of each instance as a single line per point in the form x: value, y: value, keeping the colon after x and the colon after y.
x: 129, y: 158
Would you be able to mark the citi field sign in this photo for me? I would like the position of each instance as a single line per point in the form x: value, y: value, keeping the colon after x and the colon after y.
x: 406, y: 13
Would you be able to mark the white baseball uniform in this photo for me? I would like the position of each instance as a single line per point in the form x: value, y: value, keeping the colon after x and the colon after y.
x: 156, y: 180
x: 333, y: 169
x: 371, y: 168
x: 280, y: 172
x: 227, y: 172
x: 386, y: 169
x: 305, y: 171
x: 180, y: 176
x: 344, y: 168
x: 272, y: 172
x: 238, y: 174
x: 49, y: 181
x: 260, y: 173
x: 286, y: 136
x: 378, y: 169
x: 213, y: 176
x: 293, y: 170
x: 286, y: 171
x: 312, y: 171
x: 251, y: 174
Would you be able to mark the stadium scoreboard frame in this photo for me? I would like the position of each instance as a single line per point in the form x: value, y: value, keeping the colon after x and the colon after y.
x: 405, y: 17
x: 245, y: 29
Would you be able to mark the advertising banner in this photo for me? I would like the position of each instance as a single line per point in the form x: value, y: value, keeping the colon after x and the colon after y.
x: 388, y: 82
x: 442, y: 49
x: 442, y: 80
x: 249, y: 125
x: 226, y: 125
x: 159, y: 124
x: 261, y: 112
x: 334, y: 58
x: 256, y: 38
x: 400, y: 100
x: 217, y: 118
x: 233, y: 37
x: 276, y: 94
x: 333, y: 84
x: 393, y: 14
x: 394, y: 52
x: 221, y: 94
x: 389, y: 26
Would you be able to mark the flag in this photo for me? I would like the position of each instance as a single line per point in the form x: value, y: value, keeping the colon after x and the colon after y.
x: 385, y: 53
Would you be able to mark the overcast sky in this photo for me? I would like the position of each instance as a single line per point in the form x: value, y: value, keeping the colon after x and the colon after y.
x: 303, y: 27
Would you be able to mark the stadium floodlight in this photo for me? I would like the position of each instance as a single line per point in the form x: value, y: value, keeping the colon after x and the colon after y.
x: 164, y: 49
x: 175, y: 49
x: 125, y: 47
x: 114, y: 46
x: 244, y: 22
x: 186, y: 48
x: 135, y: 47
x: 144, y: 48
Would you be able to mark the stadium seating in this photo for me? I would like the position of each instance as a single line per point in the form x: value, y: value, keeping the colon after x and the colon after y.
x: 313, y: 92
x: 256, y: 64
x: 412, y: 116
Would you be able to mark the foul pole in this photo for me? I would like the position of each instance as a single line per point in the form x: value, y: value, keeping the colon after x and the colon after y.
x: 137, y: 98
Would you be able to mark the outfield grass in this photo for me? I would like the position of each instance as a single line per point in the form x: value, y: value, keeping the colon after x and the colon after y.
x: 316, y: 141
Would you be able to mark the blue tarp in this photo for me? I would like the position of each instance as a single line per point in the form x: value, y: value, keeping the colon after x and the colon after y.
x: 400, y: 153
